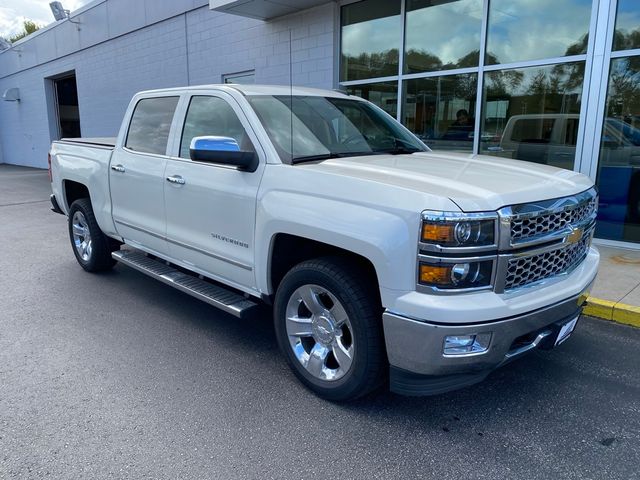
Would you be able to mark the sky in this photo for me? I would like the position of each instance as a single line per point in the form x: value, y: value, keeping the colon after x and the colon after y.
x: 13, y: 12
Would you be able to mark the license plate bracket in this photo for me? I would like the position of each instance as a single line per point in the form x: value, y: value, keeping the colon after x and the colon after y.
x: 566, y: 330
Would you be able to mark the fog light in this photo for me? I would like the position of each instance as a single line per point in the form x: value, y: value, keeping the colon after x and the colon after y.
x: 465, y: 344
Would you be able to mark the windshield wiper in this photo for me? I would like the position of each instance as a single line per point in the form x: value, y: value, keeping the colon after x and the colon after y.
x: 314, y: 158
x: 401, y: 147
x: 328, y: 156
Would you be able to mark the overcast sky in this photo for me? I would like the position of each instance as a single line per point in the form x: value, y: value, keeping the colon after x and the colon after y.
x: 13, y: 12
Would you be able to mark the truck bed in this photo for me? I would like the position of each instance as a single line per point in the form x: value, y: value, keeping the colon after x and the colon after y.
x: 97, y: 141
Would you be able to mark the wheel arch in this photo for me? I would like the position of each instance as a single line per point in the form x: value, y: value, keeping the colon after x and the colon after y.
x: 287, y: 250
x: 73, y: 191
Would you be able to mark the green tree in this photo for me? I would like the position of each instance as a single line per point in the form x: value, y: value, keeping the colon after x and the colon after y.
x: 28, y: 27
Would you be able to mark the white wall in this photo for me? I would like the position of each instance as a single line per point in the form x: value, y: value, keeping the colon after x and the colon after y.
x: 119, y: 50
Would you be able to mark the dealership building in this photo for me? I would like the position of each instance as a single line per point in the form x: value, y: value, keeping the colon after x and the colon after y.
x: 546, y: 81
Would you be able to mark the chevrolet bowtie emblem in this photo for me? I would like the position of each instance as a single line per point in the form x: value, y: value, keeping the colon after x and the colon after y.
x: 575, y: 236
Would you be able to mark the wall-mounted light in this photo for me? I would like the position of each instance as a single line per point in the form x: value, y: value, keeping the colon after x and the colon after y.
x: 59, y: 12
x: 11, y: 95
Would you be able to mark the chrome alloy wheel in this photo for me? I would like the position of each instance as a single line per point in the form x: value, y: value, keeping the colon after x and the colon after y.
x: 81, y: 236
x: 320, y: 333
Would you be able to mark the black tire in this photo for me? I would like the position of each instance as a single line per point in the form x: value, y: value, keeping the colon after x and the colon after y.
x: 99, y: 259
x: 359, y: 297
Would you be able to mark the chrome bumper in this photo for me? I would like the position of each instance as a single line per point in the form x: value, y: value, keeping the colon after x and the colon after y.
x: 415, y: 348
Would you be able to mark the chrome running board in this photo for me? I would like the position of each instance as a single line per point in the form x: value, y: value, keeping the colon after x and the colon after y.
x: 218, y: 296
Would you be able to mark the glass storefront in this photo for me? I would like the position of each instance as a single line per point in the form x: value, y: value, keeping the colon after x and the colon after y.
x: 555, y: 82
x: 442, y: 35
x: 384, y: 94
x: 370, y: 39
x: 533, y: 113
x: 439, y: 110
x: 618, y: 174
x: 521, y: 30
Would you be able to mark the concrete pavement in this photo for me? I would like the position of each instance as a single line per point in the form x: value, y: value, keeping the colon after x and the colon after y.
x: 616, y: 293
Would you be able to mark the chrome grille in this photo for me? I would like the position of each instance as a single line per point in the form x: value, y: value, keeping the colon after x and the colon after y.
x: 528, y: 226
x: 522, y: 271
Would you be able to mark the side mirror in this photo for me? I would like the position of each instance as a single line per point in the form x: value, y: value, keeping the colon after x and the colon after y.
x: 222, y: 150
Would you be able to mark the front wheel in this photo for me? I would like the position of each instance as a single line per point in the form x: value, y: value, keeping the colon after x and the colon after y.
x: 328, y: 325
x: 91, y: 247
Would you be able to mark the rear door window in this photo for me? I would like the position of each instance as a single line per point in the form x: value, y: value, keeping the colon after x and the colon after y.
x: 150, y: 125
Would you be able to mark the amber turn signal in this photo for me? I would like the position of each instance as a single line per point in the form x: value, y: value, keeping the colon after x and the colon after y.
x: 435, y: 274
x: 438, y: 233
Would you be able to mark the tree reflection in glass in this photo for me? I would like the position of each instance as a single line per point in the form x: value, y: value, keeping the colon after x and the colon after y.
x: 370, y: 39
x: 442, y: 35
x: 532, y: 113
x: 627, y: 33
x: 440, y: 110
x: 521, y: 30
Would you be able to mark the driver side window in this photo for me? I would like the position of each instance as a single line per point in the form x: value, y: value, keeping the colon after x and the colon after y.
x: 212, y: 116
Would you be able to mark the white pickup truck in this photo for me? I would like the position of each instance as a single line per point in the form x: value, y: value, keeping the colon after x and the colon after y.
x: 383, y: 261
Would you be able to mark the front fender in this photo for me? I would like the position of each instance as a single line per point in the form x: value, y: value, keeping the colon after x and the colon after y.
x: 387, y: 239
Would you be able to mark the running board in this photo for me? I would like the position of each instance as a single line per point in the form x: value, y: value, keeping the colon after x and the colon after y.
x: 227, y: 300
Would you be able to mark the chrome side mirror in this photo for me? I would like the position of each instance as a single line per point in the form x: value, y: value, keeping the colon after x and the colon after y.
x: 222, y: 150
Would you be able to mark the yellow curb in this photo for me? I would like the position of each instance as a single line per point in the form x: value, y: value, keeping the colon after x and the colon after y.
x: 617, y: 312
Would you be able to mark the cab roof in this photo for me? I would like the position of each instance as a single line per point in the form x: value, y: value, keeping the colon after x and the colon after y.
x: 276, y: 90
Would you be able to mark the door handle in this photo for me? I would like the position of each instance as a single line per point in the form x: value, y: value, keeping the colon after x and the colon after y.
x: 118, y: 168
x: 177, y: 179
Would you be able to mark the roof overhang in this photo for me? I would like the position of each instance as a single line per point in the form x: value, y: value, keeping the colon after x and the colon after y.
x: 263, y: 9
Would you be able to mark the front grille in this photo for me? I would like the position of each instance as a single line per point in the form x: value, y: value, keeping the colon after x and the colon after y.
x: 527, y: 226
x: 522, y: 271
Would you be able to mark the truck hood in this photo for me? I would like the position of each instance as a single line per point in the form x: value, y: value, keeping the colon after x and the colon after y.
x: 473, y: 182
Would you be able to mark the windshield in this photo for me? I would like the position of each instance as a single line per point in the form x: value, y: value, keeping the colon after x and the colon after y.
x: 326, y: 127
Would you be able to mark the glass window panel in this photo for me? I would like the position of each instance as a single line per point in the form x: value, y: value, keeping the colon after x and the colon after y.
x: 619, y: 162
x: 439, y: 110
x: 384, y: 94
x: 442, y: 35
x: 627, y: 34
x: 150, y: 125
x: 521, y: 30
x: 370, y: 39
x: 212, y: 116
x: 533, y: 113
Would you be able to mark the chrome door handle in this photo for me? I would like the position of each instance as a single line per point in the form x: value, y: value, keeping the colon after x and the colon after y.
x: 117, y: 168
x: 177, y: 179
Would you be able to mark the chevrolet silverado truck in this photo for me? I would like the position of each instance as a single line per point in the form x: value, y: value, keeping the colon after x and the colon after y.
x: 383, y: 261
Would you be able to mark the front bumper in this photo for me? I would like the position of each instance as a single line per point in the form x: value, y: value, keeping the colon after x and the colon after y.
x: 415, y: 348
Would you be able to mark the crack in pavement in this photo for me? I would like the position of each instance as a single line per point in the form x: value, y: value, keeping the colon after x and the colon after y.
x: 22, y: 203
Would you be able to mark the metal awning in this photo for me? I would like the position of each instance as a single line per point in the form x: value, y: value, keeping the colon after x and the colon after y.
x: 263, y: 9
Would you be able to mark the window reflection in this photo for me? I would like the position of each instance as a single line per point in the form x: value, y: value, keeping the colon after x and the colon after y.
x: 442, y: 35
x: 440, y: 110
x: 619, y: 162
x: 384, y: 95
x: 627, y: 33
x: 370, y: 39
x: 522, y: 30
x: 532, y: 113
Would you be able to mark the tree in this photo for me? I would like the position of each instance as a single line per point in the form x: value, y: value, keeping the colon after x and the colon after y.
x: 28, y: 27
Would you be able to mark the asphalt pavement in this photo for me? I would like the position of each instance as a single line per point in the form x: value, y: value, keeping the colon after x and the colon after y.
x: 116, y: 375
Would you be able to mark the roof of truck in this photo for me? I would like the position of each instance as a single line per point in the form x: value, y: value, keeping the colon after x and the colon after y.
x: 257, y: 90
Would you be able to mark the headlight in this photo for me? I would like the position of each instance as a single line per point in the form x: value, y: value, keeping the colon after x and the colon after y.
x: 458, y: 230
x: 458, y: 275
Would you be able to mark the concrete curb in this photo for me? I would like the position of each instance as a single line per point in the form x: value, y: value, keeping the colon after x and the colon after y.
x: 614, y: 311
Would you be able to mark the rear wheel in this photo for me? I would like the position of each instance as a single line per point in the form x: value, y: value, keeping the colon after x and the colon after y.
x: 328, y: 325
x: 91, y: 247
